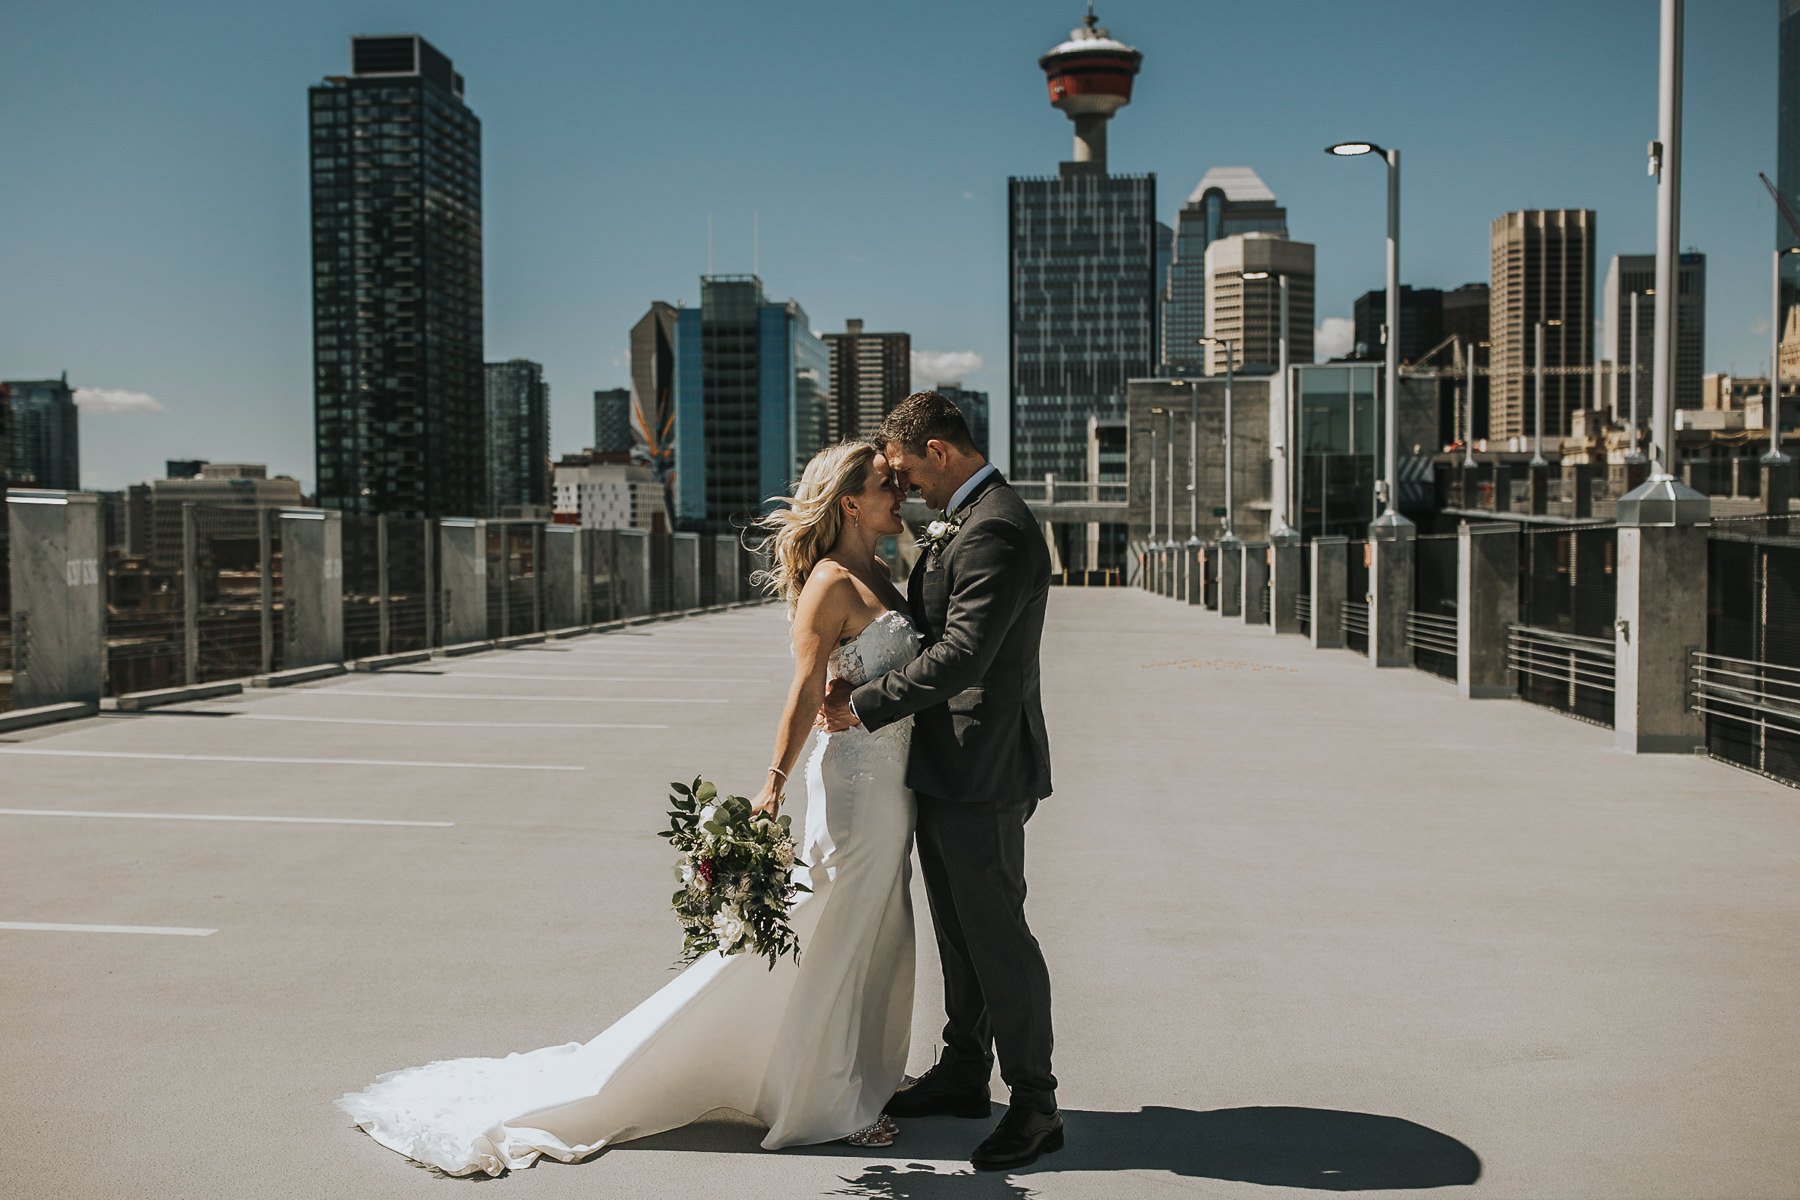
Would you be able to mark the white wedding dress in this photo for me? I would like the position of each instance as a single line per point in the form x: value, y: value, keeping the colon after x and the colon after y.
x: 813, y: 1050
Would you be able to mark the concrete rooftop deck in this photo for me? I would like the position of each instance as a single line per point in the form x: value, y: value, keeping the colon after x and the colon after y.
x: 1312, y: 927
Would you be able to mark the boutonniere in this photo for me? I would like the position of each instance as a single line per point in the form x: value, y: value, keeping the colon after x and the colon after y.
x: 939, y: 533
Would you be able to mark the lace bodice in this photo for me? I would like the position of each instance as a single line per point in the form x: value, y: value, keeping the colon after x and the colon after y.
x: 887, y: 642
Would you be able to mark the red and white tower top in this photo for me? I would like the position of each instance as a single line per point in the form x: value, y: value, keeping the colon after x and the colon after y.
x: 1090, y: 79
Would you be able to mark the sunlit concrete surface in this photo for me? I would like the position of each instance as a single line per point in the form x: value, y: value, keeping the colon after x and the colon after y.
x: 1311, y: 926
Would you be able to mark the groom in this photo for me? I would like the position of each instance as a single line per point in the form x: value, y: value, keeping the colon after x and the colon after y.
x: 980, y: 762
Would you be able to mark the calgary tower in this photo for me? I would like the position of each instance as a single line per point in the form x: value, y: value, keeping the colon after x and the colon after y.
x: 1090, y: 78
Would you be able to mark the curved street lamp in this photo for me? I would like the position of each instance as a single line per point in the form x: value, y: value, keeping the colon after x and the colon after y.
x: 1390, y: 515
x: 1230, y: 534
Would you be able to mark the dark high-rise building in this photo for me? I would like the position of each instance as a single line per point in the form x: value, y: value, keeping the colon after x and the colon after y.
x: 44, y: 435
x: 975, y: 411
x: 1082, y: 269
x: 1226, y: 201
x: 1787, y: 151
x: 398, y: 409
x: 1465, y: 312
x: 612, y: 421
x: 518, y: 436
x: 870, y: 374
x: 1636, y: 273
x: 1543, y: 261
x: 1421, y: 322
x: 752, y: 402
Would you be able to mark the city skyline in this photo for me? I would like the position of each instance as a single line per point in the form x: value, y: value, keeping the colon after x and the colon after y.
x: 207, y: 246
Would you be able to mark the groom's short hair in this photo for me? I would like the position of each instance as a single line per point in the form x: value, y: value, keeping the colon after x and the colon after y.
x: 924, y: 417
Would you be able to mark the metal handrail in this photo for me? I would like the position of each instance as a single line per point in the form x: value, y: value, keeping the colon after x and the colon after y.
x: 1355, y: 616
x: 1428, y: 631
x: 1556, y: 637
x: 1573, y: 659
x: 1753, y: 699
x: 1748, y: 662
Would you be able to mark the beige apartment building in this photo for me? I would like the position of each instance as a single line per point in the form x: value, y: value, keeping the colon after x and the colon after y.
x: 1543, y: 264
x: 1243, y: 300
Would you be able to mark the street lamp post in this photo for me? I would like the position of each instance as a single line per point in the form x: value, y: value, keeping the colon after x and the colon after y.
x: 1634, y: 455
x: 1390, y: 514
x: 1154, y: 455
x: 1537, y: 454
x: 1230, y: 344
x: 1469, y: 400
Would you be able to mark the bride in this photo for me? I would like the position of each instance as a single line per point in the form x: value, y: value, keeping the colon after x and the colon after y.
x: 812, y: 1049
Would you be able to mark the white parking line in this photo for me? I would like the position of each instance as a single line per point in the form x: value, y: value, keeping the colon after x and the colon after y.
x: 146, y: 816
x: 482, y: 674
x: 492, y: 696
x: 651, y: 652
x: 247, y: 758
x: 244, y: 716
x: 168, y: 930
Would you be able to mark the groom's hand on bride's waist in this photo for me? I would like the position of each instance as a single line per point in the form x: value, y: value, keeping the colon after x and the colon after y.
x: 836, y: 715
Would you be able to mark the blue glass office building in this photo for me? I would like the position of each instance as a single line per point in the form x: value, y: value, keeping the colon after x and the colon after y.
x: 752, y: 402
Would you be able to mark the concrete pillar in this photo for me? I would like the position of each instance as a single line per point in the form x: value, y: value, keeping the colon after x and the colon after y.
x: 1467, y: 481
x: 1487, y: 601
x: 684, y: 560
x: 1390, y: 592
x: 1195, y: 554
x: 1777, y: 485
x: 728, y: 571
x: 1501, y: 475
x: 1330, y: 578
x: 1255, y: 577
x: 434, y: 624
x: 1578, y: 478
x: 1661, y: 622
x: 58, y: 596
x: 1539, y: 480
x: 1231, y: 576
x: 564, y: 580
x: 537, y: 577
x: 312, y: 586
x: 462, y: 543
x: 1284, y: 582
x: 631, y: 571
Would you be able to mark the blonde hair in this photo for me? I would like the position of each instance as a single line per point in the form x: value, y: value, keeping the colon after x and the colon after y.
x: 806, y: 527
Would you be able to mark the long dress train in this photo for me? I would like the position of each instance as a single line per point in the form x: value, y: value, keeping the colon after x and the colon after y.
x: 813, y: 1049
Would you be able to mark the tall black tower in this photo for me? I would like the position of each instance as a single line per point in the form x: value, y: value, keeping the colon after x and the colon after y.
x: 398, y: 412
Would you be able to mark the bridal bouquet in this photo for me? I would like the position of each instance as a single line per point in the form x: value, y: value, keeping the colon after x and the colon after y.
x: 736, y: 875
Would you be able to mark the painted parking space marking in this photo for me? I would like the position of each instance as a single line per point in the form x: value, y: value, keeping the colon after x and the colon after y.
x: 244, y: 716
x: 164, y: 930
x: 152, y: 816
x: 310, y: 762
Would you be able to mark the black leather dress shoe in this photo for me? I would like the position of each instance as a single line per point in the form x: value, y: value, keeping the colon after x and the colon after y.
x: 936, y: 1094
x: 1021, y: 1137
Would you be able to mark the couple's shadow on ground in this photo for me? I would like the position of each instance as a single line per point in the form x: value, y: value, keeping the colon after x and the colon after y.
x: 1321, y: 1148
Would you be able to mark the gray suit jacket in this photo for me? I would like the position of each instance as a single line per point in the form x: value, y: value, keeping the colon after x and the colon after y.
x: 974, y: 692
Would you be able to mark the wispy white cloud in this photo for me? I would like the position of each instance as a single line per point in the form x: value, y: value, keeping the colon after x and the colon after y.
x: 1760, y: 327
x: 1334, y: 337
x: 115, y: 400
x: 932, y: 367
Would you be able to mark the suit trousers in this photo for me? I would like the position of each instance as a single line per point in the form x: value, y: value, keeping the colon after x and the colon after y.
x: 996, y: 986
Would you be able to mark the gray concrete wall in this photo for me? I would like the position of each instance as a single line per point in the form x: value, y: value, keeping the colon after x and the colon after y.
x: 462, y: 547
x: 1255, y: 578
x: 58, y: 556
x: 1487, y: 601
x: 684, y: 567
x: 631, y: 571
x: 1390, y: 594
x: 312, y: 586
x: 1284, y: 586
x: 564, y: 578
x: 1250, y: 455
x: 1231, y: 578
x: 728, y: 569
x: 1661, y: 622
x: 1330, y: 579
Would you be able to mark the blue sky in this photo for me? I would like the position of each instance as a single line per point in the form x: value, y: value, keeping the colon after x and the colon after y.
x: 154, y: 242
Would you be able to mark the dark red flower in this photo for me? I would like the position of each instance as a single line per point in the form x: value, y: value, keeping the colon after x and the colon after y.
x: 705, y: 867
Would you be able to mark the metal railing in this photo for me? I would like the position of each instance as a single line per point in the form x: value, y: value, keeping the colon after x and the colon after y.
x: 1569, y: 672
x: 1355, y: 615
x: 1303, y: 611
x: 1752, y: 710
x: 1433, y: 642
x: 1077, y: 491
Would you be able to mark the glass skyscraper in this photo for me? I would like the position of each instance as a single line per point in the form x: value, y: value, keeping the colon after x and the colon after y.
x: 1226, y: 201
x: 752, y: 402
x: 42, y: 435
x: 398, y: 412
x: 1082, y: 293
x: 518, y: 436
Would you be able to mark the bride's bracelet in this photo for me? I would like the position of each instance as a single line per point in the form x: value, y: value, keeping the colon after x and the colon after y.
x: 780, y: 772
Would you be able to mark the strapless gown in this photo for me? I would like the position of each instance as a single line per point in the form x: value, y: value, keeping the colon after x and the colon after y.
x: 813, y: 1050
